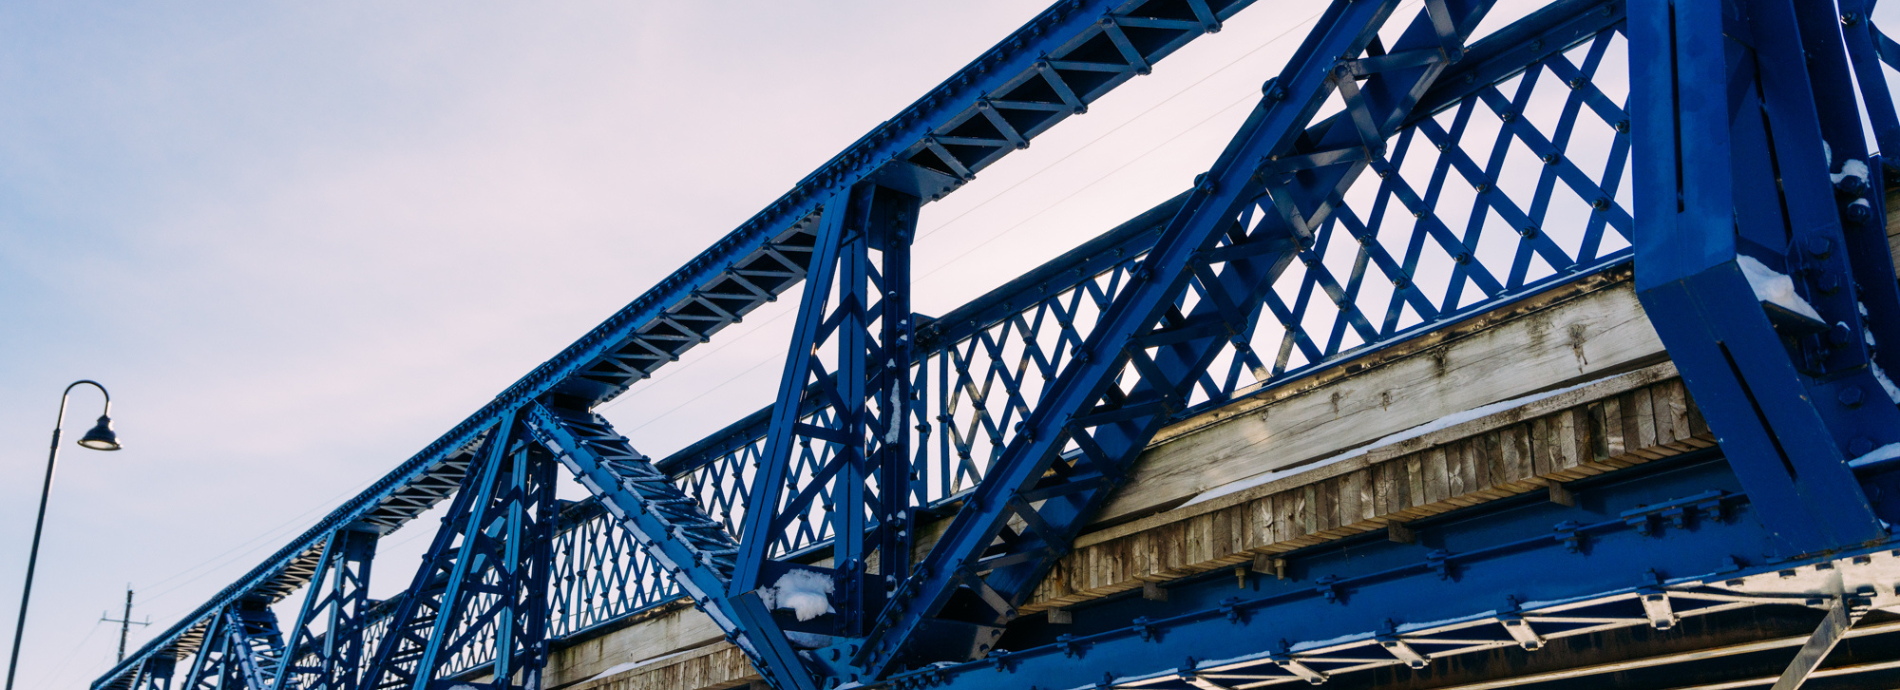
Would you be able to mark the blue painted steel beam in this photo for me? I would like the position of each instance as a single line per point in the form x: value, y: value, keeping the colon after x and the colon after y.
x: 155, y: 673
x: 1742, y: 184
x: 1867, y: 49
x: 256, y: 646
x: 1489, y: 565
x: 1547, y: 32
x: 672, y: 529
x: 1110, y: 422
x: 1028, y: 76
x: 866, y: 387
x: 934, y: 334
x: 480, y: 593
x: 1119, y: 46
x: 336, y: 600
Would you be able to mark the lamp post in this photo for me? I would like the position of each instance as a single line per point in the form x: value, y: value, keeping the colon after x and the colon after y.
x: 100, y: 437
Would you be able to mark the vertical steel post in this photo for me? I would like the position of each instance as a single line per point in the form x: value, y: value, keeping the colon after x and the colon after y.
x: 757, y: 536
x: 1732, y: 193
x: 892, y: 225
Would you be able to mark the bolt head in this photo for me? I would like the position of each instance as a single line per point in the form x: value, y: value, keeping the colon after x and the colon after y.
x: 1850, y: 396
x: 1860, y: 446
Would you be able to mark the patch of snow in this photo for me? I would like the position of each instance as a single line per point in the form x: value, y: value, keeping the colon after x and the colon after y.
x: 805, y: 592
x: 805, y: 640
x: 896, y: 431
x: 631, y: 665
x: 1873, y: 573
x: 1828, y: 153
x: 1893, y: 392
x: 1854, y: 168
x: 1316, y: 644
x: 1775, y: 288
x: 1427, y: 625
x: 1444, y: 422
x: 1886, y: 452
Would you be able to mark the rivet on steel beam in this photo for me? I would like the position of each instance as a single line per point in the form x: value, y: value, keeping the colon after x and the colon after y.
x: 1271, y: 89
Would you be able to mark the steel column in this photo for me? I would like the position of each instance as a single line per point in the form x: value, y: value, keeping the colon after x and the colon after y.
x: 484, y: 579
x: 1144, y: 339
x: 1791, y: 396
x: 337, y: 598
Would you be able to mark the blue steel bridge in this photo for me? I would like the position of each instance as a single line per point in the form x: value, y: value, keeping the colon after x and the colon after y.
x: 1620, y: 275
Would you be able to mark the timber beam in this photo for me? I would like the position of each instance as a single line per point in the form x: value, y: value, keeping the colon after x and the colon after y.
x: 1492, y: 568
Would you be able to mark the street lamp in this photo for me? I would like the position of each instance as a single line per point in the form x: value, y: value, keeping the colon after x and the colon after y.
x: 100, y: 437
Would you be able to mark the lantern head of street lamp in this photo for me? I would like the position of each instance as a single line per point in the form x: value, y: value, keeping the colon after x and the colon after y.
x: 101, y: 436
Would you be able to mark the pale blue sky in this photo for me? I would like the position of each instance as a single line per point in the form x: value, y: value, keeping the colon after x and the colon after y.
x: 299, y: 242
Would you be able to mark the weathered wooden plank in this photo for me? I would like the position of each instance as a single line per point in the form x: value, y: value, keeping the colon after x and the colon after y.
x: 1678, y: 410
x: 1540, y: 446
x: 1309, y: 506
x: 1368, y: 494
x: 1576, y: 433
x: 713, y: 667
x: 1415, y: 481
x: 1326, y: 499
x: 1455, y: 372
x: 1457, y: 467
x: 1893, y: 226
x: 1259, y: 523
x: 1482, y: 460
x: 1610, y: 423
x: 1645, y: 419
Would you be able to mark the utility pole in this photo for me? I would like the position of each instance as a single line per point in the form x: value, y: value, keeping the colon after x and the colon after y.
x: 125, y: 622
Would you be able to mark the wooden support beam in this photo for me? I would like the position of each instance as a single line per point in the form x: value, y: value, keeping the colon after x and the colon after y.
x: 1560, y: 495
x: 1400, y: 533
x: 1268, y: 565
x: 1618, y: 422
x: 1153, y: 592
x: 1580, y: 331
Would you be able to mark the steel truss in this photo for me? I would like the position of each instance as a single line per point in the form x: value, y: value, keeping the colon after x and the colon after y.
x: 1500, y: 168
x: 1760, y: 123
